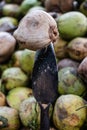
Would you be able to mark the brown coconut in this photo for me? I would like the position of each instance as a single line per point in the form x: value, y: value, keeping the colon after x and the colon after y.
x: 59, y: 5
x: 77, y: 48
x: 7, y: 46
x: 36, y: 30
x: 67, y: 62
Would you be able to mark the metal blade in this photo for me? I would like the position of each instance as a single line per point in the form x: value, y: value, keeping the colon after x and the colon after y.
x: 45, y: 76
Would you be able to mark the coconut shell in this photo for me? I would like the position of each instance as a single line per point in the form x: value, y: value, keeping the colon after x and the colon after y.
x: 36, y: 30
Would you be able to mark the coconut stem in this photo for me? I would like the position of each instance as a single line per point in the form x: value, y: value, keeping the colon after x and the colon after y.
x: 3, y: 122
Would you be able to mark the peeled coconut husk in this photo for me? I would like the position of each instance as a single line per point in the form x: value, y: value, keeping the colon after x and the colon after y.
x: 7, y: 46
x: 36, y: 30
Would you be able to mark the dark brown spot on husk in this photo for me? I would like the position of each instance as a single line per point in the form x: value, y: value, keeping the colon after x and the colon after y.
x: 62, y: 113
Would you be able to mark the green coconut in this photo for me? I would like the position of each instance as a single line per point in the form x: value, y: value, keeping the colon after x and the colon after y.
x: 66, y: 115
x: 29, y: 113
x: 39, y: 7
x: 8, y: 24
x: 13, y: 77
x: 18, y: 94
x: 27, y: 4
x: 70, y: 82
x: 24, y: 59
x: 9, y: 118
x: 12, y: 10
x: 27, y: 61
x: 83, y: 7
x: 72, y: 24
x: 60, y: 47
x: 15, y: 59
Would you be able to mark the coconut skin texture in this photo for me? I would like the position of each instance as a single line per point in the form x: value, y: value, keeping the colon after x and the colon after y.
x: 9, y: 119
x: 67, y: 62
x: 24, y: 59
x: 70, y: 82
x: 18, y: 94
x: 11, y: 10
x: 30, y: 113
x: 14, y: 77
x: 77, y: 48
x: 72, y: 24
x: 66, y: 115
x: 60, y: 47
x: 36, y: 30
